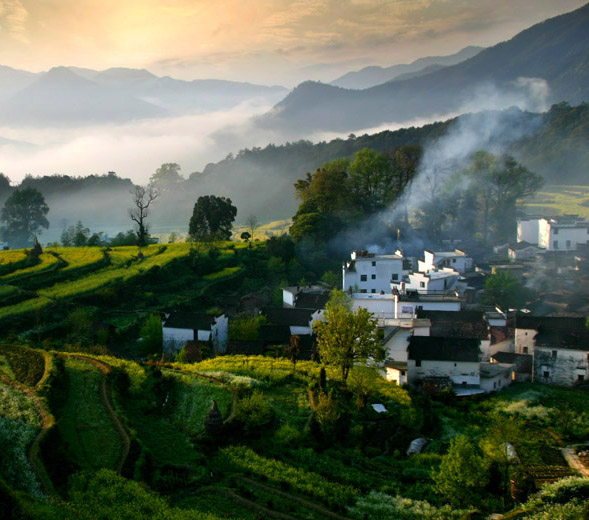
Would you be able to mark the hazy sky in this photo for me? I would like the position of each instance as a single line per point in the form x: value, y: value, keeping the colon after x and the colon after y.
x: 266, y: 41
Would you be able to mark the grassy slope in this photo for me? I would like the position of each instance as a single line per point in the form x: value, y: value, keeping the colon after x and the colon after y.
x: 83, y: 421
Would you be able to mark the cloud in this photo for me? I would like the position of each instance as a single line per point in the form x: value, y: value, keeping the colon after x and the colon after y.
x: 13, y: 17
x: 133, y: 150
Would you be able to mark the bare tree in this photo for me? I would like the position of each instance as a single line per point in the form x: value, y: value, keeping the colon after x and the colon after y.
x: 252, y: 224
x: 142, y: 199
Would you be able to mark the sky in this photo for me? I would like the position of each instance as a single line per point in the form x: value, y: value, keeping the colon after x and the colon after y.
x: 263, y: 41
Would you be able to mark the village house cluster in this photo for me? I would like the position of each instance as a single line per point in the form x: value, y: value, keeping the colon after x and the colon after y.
x: 434, y: 331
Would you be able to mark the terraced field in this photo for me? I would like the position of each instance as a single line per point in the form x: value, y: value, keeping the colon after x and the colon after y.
x: 69, y: 273
x: 559, y: 200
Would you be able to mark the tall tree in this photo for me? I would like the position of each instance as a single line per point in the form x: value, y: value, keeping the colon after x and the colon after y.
x: 347, y: 337
x: 498, y: 183
x: 371, y: 180
x: 212, y: 219
x: 142, y: 198
x: 24, y: 214
x: 165, y: 176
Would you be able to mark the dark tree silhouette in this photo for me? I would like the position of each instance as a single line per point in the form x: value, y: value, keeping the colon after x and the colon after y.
x: 142, y: 200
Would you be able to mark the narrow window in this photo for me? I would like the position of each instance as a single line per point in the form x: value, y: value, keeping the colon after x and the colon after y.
x: 372, y: 291
x: 418, y: 362
x: 555, y: 244
x: 546, y: 374
x: 568, y: 242
x: 363, y: 277
x: 395, y: 277
x: 373, y: 277
x: 525, y: 350
x: 554, y: 353
x: 373, y: 264
x: 580, y: 378
x: 421, y: 284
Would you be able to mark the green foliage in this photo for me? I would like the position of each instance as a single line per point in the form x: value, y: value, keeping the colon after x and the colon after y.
x: 24, y: 214
x: 246, y: 327
x: 347, y: 337
x: 107, y: 495
x: 306, y: 482
x: 462, y: 473
x: 212, y: 219
x: 166, y: 175
x: 254, y: 412
x: 27, y: 365
x: 505, y: 291
x: 151, y: 334
x: 380, y: 506
x: 326, y: 413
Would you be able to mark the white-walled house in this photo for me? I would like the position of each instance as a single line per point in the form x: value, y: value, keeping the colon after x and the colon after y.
x: 457, y: 260
x: 299, y: 321
x: 561, y: 357
x: 457, y: 359
x: 563, y: 233
x: 180, y: 327
x: 306, y: 297
x: 371, y: 273
x: 406, y: 305
x: 528, y: 229
x: 496, y: 376
x: 397, y: 333
x: 438, y: 280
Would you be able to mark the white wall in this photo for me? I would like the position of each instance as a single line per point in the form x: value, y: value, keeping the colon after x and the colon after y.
x: 564, y: 368
x: 288, y: 298
x: 528, y: 230
x: 396, y: 347
x: 383, y: 306
x: 385, y: 266
x: 220, y: 332
x: 459, y: 372
x: 561, y: 238
x: 175, y: 339
x: 396, y: 375
x: 524, y: 341
x: 497, y: 382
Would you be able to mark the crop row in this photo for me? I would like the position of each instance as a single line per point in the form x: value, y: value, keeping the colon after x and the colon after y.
x: 258, y: 367
x: 47, y: 262
x: 306, y: 482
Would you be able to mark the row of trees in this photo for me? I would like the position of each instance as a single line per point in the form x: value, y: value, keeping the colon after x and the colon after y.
x: 476, y: 201
x: 25, y: 214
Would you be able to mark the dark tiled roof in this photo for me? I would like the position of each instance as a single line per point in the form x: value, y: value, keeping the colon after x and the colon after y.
x: 460, y: 324
x: 275, y: 334
x: 443, y: 349
x: 522, y: 245
x: 314, y: 300
x: 189, y: 320
x: 573, y: 339
x: 522, y: 362
x: 524, y: 321
x: 290, y: 317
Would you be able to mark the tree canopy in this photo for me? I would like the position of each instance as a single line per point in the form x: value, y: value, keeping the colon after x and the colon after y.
x: 347, y: 337
x: 166, y: 175
x: 212, y: 219
x: 24, y: 214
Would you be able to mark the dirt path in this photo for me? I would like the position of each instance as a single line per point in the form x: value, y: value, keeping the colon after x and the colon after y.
x: 293, y: 498
x: 106, y: 401
x: 573, y: 461
x: 47, y: 422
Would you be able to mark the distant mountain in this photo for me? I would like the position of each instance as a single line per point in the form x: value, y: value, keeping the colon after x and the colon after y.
x: 556, y: 51
x: 72, y: 95
x: 13, y: 80
x: 62, y: 97
x: 372, y: 76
